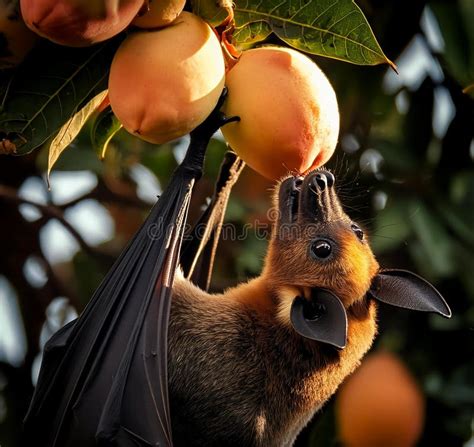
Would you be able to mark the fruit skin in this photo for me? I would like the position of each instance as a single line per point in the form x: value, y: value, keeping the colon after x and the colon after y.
x: 79, y: 23
x: 165, y: 83
x: 161, y: 13
x: 288, y: 110
x: 380, y: 405
x: 16, y: 40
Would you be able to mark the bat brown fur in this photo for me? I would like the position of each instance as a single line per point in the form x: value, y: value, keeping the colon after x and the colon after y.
x: 239, y: 374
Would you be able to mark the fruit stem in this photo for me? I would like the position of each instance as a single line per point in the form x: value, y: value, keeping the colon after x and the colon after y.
x: 231, y: 55
x: 224, y: 33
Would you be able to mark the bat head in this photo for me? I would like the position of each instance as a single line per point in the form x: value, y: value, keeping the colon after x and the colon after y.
x: 320, y: 264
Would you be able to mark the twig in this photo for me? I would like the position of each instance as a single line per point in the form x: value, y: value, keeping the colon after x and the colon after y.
x: 103, y: 194
x: 11, y: 195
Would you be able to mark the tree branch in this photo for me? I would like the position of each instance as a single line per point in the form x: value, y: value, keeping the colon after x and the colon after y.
x: 103, y: 193
x: 10, y: 194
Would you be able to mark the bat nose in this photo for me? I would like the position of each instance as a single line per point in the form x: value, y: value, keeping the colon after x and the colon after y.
x: 318, y: 199
x: 312, y: 197
x: 322, y: 180
x: 298, y: 182
x: 289, y: 198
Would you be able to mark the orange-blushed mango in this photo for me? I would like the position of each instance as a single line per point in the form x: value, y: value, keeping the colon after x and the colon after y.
x: 165, y: 83
x: 380, y: 405
x: 288, y: 110
x: 79, y: 23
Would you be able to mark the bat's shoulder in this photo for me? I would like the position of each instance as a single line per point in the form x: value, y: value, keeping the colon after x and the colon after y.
x: 203, y: 316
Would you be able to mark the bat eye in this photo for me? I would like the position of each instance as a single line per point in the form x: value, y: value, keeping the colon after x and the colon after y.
x: 321, y: 249
x: 358, y: 232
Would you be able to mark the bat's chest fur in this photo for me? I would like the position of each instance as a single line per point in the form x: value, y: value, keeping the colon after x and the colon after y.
x: 240, y: 378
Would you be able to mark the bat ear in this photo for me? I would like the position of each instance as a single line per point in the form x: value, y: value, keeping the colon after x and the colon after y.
x: 402, y: 288
x: 323, y: 318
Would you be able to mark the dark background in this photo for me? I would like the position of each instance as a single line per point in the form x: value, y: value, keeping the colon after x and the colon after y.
x: 404, y: 166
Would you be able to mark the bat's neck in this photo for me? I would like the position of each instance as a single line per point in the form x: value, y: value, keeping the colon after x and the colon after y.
x: 254, y: 295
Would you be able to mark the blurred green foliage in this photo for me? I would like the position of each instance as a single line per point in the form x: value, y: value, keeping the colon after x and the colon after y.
x: 405, y: 170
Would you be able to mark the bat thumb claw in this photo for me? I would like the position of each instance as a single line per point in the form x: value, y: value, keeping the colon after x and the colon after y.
x: 231, y: 119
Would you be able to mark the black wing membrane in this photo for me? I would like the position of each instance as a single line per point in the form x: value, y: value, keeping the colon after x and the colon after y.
x: 103, y: 378
x: 83, y: 382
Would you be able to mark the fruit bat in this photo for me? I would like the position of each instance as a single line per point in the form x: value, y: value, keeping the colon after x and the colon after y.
x: 155, y: 360
x: 251, y: 366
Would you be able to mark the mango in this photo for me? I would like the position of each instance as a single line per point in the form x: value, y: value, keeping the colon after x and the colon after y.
x: 380, y: 405
x: 164, y: 83
x: 160, y: 13
x: 288, y: 111
x: 79, y: 23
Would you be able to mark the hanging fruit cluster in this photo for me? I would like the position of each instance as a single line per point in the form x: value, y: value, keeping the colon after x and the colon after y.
x: 169, y: 72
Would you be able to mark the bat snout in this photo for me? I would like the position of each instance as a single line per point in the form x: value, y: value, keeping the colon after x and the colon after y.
x: 318, y: 200
x: 312, y: 198
x: 321, y: 181
x: 288, y: 199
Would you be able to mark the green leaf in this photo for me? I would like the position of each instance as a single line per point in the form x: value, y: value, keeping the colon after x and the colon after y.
x: 251, y: 33
x: 71, y: 129
x: 332, y: 28
x: 104, y: 127
x: 49, y: 88
x: 79, y: 158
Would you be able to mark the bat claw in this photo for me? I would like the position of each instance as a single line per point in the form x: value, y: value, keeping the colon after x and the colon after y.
x: 231, y: 119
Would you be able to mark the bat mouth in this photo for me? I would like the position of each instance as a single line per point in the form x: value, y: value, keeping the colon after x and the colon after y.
x: 312, y: 197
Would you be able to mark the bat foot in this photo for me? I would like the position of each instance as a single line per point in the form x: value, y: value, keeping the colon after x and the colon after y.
x: 222, y: 98
x: 214, y: 121
x: 200, y: 137
x: 231, y: 119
